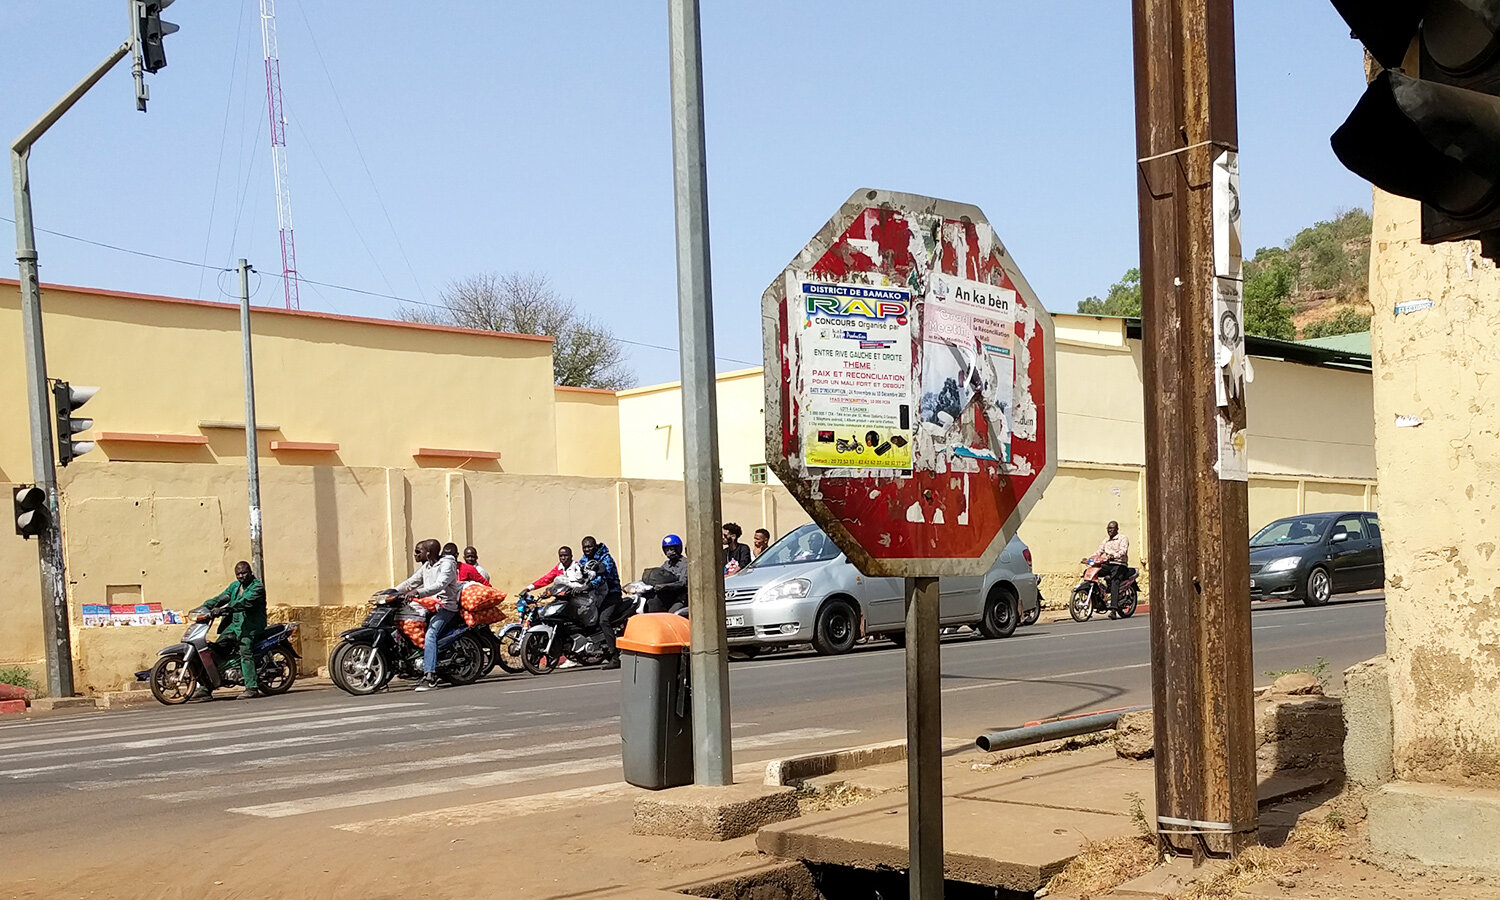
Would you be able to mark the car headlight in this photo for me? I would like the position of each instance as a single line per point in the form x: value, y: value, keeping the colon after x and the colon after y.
x: 787, y: 590
x: 1282, y: 565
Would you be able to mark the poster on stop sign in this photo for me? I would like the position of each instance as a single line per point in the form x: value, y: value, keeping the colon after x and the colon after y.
x: 913, y: 416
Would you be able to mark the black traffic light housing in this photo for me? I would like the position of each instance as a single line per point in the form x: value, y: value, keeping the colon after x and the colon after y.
x: 67, y: 399
x: 151, y: 30
x: 1433, y: 134
x: 30, y: 507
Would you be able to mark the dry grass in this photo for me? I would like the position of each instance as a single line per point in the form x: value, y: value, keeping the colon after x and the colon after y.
x: 817, y: 799
x: 1105, y: 865
x: 1265, y: 863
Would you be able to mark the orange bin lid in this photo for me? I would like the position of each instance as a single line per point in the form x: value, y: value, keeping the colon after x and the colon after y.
x: 655, y: 633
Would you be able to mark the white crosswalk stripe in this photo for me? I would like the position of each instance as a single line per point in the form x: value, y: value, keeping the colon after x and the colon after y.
x: 453, y: 784
x: 181, y: 740
x: 217, y: 771
x: 237, y: 749
x: 425, y: 788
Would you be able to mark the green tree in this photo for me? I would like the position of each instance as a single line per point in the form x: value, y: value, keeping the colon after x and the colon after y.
x: 1270, y: 279
x: 1347, y: 320
x: 1123, y: 298
x: 1328, y: 250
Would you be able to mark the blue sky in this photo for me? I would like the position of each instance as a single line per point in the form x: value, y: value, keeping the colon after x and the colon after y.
x: 432, y: 141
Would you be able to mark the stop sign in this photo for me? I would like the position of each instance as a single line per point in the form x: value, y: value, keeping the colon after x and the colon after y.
x: 914, y: 413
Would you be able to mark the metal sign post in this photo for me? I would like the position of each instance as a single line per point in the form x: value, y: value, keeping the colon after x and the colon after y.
x: 910, y: 411
x: 252, y: 437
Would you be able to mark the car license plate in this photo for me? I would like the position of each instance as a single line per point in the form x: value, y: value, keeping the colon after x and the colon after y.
x: 734, y: 621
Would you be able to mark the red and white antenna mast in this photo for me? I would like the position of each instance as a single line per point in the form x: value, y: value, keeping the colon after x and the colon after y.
x: 278, y: 152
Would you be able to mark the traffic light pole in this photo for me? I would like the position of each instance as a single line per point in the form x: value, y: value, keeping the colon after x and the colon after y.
x: 712, y: 760
x: 252, y: 437
x: 1196, y: 470
x: 55, y: 618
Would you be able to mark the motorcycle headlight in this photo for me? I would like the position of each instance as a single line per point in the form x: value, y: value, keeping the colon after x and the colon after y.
x: 792, y: 589
x: 1284, y: 564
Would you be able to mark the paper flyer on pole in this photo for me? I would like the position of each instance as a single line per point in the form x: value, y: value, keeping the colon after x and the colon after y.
x: 968, y: 348
x: 855, y: 374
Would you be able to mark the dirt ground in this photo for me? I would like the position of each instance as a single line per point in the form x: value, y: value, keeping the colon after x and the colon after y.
x: 558, y: 854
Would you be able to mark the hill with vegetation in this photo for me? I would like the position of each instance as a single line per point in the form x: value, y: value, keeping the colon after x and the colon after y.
x: 1316, y: 284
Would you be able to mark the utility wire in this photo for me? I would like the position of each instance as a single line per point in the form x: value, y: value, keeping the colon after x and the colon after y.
x: 234, y: 66
x: 329, y: 284
x: 301, y: 8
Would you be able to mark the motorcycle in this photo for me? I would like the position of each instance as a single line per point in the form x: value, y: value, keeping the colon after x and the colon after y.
x: 367, y: 658
x: 568, y: 626
x: 657, y: 591
x: 1031, y: 617
x: 508, y: 643
x: 1092, y: 593
x: 196, y: 661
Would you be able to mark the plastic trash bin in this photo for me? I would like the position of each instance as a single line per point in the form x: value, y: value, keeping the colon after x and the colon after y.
x: 656, y: 718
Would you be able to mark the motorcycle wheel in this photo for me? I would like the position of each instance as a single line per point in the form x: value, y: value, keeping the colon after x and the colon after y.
x: 1081, y: 605
x: 362, y: 670
x: 1031, y: 616
x: 489, y: 651
x: 465, y: 661
x: 278, y: 671
x: 167, y: 683
x: 508, y: 654
x: 1127, y: 609
x: 534, y: 654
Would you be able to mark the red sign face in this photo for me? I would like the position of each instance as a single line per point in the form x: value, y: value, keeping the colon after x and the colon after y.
x: 913, y: 417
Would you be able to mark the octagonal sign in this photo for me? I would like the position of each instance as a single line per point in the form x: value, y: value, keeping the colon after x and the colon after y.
x: 914, y: 417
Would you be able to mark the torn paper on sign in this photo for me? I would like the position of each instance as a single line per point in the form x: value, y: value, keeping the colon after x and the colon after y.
x: 1231, y: 362
x: 1407, y: 421
x: 968, y: 355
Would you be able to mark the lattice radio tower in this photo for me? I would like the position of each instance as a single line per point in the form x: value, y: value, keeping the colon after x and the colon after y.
x: 278, y: 152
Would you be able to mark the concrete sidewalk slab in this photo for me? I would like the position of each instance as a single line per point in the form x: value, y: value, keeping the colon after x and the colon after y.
x: 47, y: 704
x: 713, y: 813
x: 1019, y: 848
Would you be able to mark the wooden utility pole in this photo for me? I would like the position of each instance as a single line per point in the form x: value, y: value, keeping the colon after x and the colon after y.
x: 1193, y: 355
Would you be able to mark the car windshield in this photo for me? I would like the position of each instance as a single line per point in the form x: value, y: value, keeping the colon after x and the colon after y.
x: 1298, y: 530
x: 805, y: 544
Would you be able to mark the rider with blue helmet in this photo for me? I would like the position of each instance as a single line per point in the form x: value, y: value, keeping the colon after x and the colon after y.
x: 673, y: 592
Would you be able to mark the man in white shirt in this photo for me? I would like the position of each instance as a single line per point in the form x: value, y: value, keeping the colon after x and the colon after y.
x: 1115, y: 555
x: 437, y: 577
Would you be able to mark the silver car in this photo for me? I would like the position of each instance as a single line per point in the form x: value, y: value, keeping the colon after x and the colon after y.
x: 803, y: 590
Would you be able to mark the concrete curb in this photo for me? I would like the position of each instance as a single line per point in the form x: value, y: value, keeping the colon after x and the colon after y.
x: 794, y: 770
x: 1143, y: 610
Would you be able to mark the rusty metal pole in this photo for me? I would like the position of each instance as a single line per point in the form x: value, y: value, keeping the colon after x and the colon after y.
x: 1196, y: 474
x: 924, y: 741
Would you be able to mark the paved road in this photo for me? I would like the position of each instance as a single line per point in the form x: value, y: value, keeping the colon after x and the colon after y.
x: 319, y: 758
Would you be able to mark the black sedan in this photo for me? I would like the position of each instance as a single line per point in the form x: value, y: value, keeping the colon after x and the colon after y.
x: 1314, y: 556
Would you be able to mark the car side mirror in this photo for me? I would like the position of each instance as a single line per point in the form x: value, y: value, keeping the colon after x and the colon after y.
x: 1339, y: 537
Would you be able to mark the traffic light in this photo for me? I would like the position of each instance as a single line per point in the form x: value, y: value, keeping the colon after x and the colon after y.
x: 1431, y: 130
x: 67, y: 398
x: 151, y: 30
x: 31, y: 514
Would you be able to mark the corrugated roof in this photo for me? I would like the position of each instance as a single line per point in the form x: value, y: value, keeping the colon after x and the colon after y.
x: 1358, y: 342
x: 1292, y: 351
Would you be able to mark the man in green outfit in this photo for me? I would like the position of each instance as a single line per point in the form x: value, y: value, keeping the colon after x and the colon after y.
x: 246, y: 599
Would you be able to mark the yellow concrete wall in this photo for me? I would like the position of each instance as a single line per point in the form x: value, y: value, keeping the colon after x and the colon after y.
x: 170, y: 533
x: 1303, y: 420
x: 651, y: 428
x: 378, y: 389
x: 588, y: 432
x: 20, y: 600
x: 1440, y: 496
